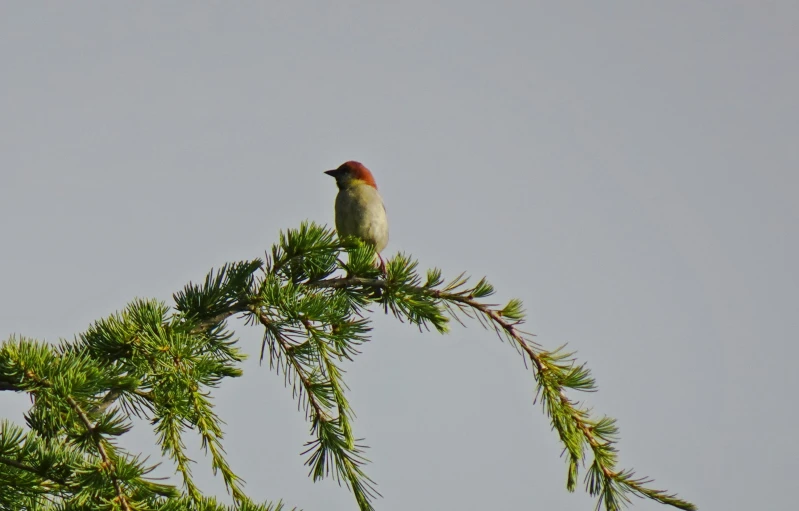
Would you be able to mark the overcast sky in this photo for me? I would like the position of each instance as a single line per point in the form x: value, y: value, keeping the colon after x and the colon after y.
x: 628, y: 169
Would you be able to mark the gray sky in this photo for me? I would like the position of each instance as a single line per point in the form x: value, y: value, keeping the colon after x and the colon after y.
x: 628, y: 169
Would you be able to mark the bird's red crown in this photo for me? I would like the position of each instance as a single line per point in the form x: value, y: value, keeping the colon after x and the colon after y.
x: 358, y: 171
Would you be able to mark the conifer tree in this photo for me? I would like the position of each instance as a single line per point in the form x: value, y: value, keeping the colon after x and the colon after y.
x: 310, y: 296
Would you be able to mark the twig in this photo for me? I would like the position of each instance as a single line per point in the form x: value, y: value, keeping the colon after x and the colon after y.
x: 107, y: 462
x: 286, y: 347
x: 27, y: 468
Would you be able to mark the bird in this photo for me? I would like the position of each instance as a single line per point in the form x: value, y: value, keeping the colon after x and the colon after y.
x: 359, y: 208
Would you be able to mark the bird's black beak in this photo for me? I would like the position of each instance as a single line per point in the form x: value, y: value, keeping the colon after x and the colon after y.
x: 331, y: 172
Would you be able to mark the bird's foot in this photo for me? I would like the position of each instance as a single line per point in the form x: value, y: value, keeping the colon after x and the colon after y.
x: 381, y: 265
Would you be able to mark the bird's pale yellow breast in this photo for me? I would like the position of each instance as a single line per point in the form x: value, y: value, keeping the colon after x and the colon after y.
x: 360, y: 212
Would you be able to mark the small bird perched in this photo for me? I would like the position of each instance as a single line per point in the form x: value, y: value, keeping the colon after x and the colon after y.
x: 359, y: 208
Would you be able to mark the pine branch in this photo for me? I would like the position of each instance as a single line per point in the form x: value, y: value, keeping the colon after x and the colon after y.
x: 329, y: 423
x: 40, y: 382
x: 161, y: 366
x: 553, y: 378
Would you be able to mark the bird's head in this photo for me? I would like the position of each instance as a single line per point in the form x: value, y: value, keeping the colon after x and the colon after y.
x: 352, y: 173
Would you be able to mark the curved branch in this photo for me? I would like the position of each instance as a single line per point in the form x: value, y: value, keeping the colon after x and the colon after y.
x: 542, y: 366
